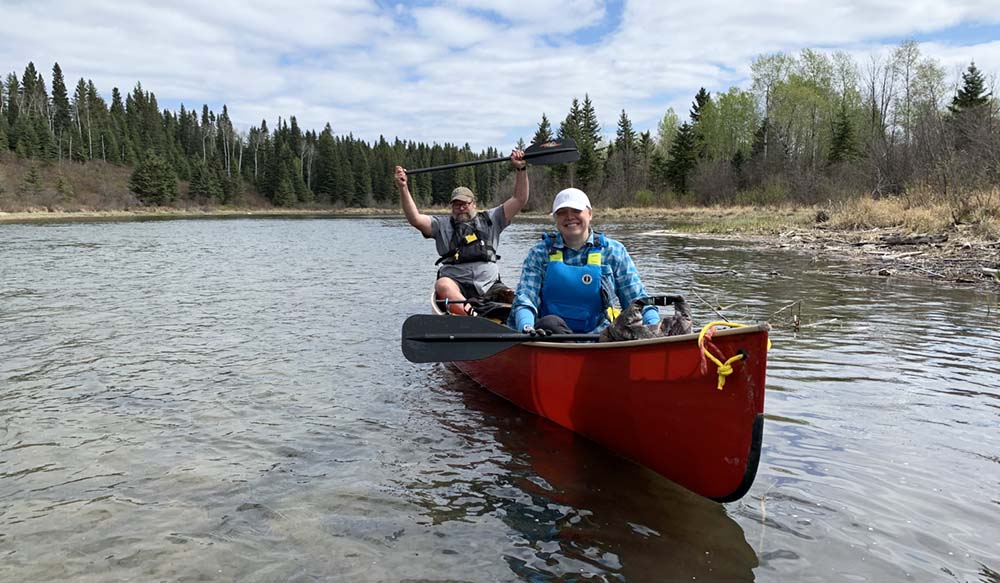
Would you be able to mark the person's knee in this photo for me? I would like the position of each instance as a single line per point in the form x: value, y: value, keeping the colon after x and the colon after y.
x: 553, y: 324
x: 445, y: 287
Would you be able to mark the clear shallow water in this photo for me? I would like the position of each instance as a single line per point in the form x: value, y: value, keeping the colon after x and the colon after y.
x: 226, y: 400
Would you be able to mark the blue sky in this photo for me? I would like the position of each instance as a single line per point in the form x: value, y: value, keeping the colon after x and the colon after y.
x: 476, y: 71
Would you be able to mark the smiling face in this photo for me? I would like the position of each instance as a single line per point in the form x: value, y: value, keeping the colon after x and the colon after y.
x: 573, y: 225
x: 462, y: 211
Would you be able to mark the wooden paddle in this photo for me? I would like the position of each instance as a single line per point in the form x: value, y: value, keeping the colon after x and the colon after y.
x: 544, y: 154
x: 430, y: 338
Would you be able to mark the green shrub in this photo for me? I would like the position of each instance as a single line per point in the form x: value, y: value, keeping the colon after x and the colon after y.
x: 772, y: 193
x: 643, y: 198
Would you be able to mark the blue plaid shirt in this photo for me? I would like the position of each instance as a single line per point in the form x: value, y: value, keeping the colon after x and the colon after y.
x: 619, y: 279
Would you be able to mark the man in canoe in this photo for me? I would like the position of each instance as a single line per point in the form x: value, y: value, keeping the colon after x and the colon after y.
x: 569, y: 278
x: 467, y: 239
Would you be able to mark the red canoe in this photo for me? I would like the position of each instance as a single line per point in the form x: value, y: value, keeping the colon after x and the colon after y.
x: 656, y: 401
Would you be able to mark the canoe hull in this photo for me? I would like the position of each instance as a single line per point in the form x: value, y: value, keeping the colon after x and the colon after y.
x: 653, y: 402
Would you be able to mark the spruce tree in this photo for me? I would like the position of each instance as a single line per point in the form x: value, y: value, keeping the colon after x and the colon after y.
x: 154, y: 181
x: 625, y: 144
x: 123, y: 145
x: 326, y: 167
x: 29, y: 82
x: 972, y: 95
x: 842, y: 144
x: 45, y: 148
x: 969, y: 109
x: 700, y: 100
x: 683, y: 158
x: 362, y: 174
x: 588, y: 167
x: 23, y: 137
x: 205, y: 186
x: 625, y: 137
x: 12, y: 110
x: 544, y: 132
x: 345, y: 176
x: 60, y: 108
x: 570, y: 127
x: 31, y: 186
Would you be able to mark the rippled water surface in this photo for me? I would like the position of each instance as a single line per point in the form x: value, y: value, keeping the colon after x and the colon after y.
x: 226, y: 400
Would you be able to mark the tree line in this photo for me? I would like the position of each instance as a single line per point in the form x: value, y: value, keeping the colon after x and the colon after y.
x: 285, y: 165
x: 810, y: 128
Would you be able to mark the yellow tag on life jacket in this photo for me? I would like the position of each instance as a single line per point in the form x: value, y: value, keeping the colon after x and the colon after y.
x: 471, y: 238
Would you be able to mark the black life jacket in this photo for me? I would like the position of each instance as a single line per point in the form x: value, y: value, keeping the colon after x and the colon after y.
x: 470, y: 242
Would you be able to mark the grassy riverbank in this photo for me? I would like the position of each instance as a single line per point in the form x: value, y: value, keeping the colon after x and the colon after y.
x: 858, y: 215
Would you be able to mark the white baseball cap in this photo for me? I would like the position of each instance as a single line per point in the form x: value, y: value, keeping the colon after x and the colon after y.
x: 573, y: 198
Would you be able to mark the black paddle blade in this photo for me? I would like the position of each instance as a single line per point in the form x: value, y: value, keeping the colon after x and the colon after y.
x: 551, y: 152
x: 430, y: 338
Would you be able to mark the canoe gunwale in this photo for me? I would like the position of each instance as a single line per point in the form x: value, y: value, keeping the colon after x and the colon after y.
x: 749, y: 329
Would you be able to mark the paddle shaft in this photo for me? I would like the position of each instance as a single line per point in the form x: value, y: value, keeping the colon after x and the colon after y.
x: 513, y: 337
x: 527, y: 157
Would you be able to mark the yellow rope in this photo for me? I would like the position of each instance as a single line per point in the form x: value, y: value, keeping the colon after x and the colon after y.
x: 724, y: 369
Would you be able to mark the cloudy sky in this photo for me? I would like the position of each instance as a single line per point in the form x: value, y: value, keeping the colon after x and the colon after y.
x: 476, y: 71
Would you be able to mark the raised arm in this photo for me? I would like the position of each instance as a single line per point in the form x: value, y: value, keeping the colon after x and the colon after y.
x: 413, y: 216
x: 514, y: 204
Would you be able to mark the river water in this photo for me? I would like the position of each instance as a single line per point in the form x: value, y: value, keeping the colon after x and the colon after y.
x: 225, y: 400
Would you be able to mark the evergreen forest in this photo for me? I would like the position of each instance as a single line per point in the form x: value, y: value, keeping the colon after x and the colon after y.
x: 810, y: 128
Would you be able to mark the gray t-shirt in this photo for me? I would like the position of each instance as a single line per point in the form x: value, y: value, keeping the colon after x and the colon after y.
x: 483, y: 274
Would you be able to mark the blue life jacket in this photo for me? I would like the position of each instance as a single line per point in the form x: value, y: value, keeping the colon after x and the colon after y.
x: 573, y: 293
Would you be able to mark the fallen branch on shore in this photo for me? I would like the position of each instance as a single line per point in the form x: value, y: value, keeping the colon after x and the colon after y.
x: 913, y: 239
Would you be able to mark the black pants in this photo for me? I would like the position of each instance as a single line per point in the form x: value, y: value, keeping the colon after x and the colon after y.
x: 469, y: 290
x: 553, y: 324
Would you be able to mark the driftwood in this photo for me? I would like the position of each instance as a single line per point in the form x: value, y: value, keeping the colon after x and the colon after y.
x: 914, y: 239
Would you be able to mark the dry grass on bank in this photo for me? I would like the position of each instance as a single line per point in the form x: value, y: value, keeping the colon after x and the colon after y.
x: 976, y: 214
x: 63, y: 186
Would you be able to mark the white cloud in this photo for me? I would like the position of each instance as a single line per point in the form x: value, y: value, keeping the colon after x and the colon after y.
x: 542, y: 16
x: 453, y: 28
x: 477, y: 71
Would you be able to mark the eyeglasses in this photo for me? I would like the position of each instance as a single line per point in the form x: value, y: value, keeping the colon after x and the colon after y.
x: 458, y: 204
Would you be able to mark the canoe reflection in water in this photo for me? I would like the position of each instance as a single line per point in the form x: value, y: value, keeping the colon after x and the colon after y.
x: 575, y: 510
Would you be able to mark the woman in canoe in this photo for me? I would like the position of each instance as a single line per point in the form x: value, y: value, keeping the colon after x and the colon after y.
x: 568, y: 279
